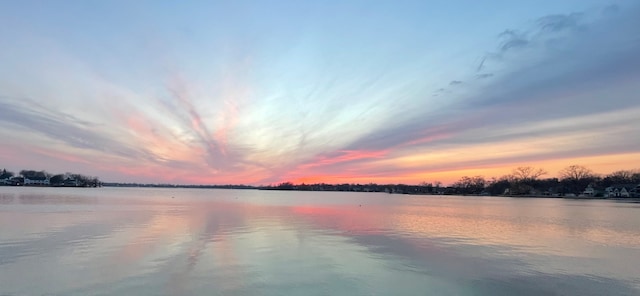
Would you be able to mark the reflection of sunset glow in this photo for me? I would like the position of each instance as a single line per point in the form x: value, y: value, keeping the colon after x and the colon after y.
x: 144, y: 239
x: 352, y: 219
x: 484, y: 225
x: 239, y: 241
x: 496, y: 231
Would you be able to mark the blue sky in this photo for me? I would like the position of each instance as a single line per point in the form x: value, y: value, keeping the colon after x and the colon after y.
x: 347, y: 91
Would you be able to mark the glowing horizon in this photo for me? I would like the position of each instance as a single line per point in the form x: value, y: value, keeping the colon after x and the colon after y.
x: 339, y: 92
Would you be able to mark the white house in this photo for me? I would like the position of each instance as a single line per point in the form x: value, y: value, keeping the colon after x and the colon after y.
x: 616, y: 191
x: 589, y: 191
x: 36, y: 181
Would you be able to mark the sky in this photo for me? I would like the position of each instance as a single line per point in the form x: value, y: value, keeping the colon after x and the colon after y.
x: 263, y: 92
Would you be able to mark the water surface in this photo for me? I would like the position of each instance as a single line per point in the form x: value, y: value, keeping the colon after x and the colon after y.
x: 130, y: 241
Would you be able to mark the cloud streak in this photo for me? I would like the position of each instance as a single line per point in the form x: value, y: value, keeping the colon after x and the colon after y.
x: 537, y: 101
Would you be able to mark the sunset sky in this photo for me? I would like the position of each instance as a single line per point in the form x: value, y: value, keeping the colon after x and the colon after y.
x: 262, y: 92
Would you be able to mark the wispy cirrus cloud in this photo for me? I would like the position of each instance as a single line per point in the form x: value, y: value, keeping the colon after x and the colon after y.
x: 18, y: 113
x: 512, y: 40
x: 571, y: 93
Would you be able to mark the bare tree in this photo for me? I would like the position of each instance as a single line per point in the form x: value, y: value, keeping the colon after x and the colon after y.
x: 527, y: 173
x: 622, y: 175
x: 575, y: 172
x: 470, y: 185
x: 575, y: 178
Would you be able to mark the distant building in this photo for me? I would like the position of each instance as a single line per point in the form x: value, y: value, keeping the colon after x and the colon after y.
x: 620, y: 191
x: 16, y: 181
x: 69, y: 182
x: 38, y: 181
x: 589, y: 191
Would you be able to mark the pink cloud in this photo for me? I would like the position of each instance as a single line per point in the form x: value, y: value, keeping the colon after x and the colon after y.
x: 344, y: 156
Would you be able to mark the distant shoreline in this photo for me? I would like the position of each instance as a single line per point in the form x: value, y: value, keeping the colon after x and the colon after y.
x: 248, y: 187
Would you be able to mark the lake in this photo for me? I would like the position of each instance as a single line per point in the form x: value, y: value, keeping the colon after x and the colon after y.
x: 148, y: 241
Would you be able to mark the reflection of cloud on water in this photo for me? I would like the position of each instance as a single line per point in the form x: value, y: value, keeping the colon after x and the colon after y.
x: 71, y: 236
x: 446, y: 245
x: 368, y: 243
x: 553, y: 284
x: 211, y: 245
x: 486, y: 270
x: 352, y: 219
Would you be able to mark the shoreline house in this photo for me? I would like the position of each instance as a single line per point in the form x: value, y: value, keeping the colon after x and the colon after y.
x: 15, y: 181
x: 36, y: 181
x: 70, y: 182
x: 589, y: 191
x: 622, y: 190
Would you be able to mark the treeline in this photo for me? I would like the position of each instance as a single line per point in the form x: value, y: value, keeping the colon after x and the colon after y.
x: 371, y: 187
x: 572, y: 180
x: 229, y: 186
x: 43, y: 178
x: 523, y: 181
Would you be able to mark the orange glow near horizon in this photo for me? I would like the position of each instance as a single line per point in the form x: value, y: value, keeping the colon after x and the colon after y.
x: 161, y: 156
x: 447, y: 175
x: 402, y: 170
x: 598, y: 164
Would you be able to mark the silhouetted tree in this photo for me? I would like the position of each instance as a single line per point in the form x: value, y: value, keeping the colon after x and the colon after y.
x: 498, y: 186
x: 6, y: 174
x: 470, y: 185
x: 523, y: 179
x: 575, y: 172
x: 635, y: 178
x: 618, y: 177
x: 57, y: 179
x: 527, y: 173
x: 285, y: 186
x: 426, y: 187
x: 575, y: 178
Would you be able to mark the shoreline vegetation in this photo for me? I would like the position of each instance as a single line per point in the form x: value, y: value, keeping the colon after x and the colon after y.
x: 573, y: 182
x: 44, y: 179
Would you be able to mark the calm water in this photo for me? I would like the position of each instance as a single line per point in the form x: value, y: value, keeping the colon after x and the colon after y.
x: 117, y: 241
